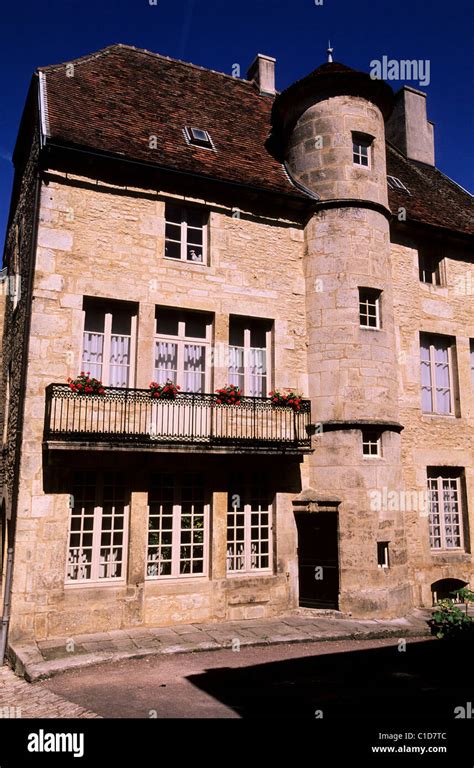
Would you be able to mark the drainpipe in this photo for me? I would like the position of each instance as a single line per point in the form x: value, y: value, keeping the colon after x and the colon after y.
x: 6, y: 603
x: 20, y: 422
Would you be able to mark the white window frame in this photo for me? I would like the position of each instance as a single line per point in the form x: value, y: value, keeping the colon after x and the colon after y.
x: 107, y: 343
x: 395, y: 183
x: 181, y: 340
x: 184, y: 235
x: 359, y: 143
x: 247, y: 350
x: 435, y: 485
x: 97, y: 531
x: 366, y: 304
x: 368, y: 442
x: 433, y: 384
x: 247, y: 555
x: 176, y: 544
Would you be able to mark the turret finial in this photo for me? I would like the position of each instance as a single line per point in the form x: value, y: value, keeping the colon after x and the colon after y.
x: 330, y: 52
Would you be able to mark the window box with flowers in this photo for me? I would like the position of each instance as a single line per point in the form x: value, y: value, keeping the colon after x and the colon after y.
x: 85, y: 384
x: 166, y: 391
x: 286, y: 398
x: 229, y: 395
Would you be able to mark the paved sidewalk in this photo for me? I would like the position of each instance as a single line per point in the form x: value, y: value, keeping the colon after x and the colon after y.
x: 49, y: 657
x: 20, y: 700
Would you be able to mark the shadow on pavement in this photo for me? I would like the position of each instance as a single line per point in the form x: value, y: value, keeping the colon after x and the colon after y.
x: 422, y: 684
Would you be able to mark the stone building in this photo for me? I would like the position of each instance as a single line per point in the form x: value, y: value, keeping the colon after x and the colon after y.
x: 169, y: 222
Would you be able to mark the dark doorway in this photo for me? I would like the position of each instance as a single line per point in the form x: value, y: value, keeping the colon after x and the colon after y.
x: 318, y: 559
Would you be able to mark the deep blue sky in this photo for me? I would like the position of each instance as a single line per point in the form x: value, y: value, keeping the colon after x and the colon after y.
x: 218, y: 34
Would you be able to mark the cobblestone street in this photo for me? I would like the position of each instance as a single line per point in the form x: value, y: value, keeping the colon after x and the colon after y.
x: 19, y: 699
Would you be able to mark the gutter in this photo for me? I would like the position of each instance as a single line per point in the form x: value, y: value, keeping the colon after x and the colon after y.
x: 166, y: 169
x: 20, y: 423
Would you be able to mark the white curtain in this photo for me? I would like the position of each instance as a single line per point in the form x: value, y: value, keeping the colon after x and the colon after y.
x: 258, y: 372
x: 443, y: 394
x: 194, y: 367
x: 119, y: 361
x: 166, y: 361
x: 93, y: 353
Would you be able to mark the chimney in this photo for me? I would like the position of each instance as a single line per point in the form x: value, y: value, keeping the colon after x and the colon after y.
x: 408, y: 127
x: 262, y: 71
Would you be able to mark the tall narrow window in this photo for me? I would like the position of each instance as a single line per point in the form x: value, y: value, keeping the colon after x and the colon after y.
x: 185, y: 233
x: 383, y: 559
x: 182, y: 348
x: 429, y: 267
x: 369, y: 308
x: 445, y: 509
x: 361, y: 149
x: 249, y: 355
x: 98, y: 528
x: 109, y: 341
x: 249, y: 525
x: 436, y: 360
x: 472, y: 360
x: 177, y: 526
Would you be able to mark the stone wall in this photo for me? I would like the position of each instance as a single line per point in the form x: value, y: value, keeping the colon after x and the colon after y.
x: 94, y: 240
x: 431, y: 440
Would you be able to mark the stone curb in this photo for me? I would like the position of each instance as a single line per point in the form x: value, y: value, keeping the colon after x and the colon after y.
x: 27, y: 661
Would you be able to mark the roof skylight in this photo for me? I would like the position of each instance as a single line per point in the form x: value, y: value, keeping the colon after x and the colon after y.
x: 395, y: 183
x: 198, y: 137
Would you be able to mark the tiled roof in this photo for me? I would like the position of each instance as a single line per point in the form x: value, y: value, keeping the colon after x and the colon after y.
x: 434, y: 199
x: 120, y: 96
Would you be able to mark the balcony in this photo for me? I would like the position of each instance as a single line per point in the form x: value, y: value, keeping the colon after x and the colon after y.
x: 126, y: 418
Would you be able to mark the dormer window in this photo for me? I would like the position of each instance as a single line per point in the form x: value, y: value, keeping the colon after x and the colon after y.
x: 361, y: 149
x: 198, y: 137
x: 395, y: 183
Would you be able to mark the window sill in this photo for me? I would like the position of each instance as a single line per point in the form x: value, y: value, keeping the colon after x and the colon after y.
x: 95, y: 584
x: 249, y: 574
x: 432, y: 415
x: 451, y: 555
x: 198, y: 264
x: 176, y: 579
x: 368, y: 328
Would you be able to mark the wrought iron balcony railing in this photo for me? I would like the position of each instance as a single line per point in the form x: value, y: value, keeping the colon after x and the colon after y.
x: 133, y: 416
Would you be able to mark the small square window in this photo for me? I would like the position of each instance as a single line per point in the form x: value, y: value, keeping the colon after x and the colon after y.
x: 198, y: 137
x: 429, y: 267
x: 369, y: 308
x: 383, y: 557
x: 361, y: 149
x: 185, y: 234
x: 371, y: 443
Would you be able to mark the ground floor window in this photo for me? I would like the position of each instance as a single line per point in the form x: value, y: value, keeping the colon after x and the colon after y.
x: 98, y: 528
x: 177, y: 526
x: 445, y: 509
x: 249, y: 525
